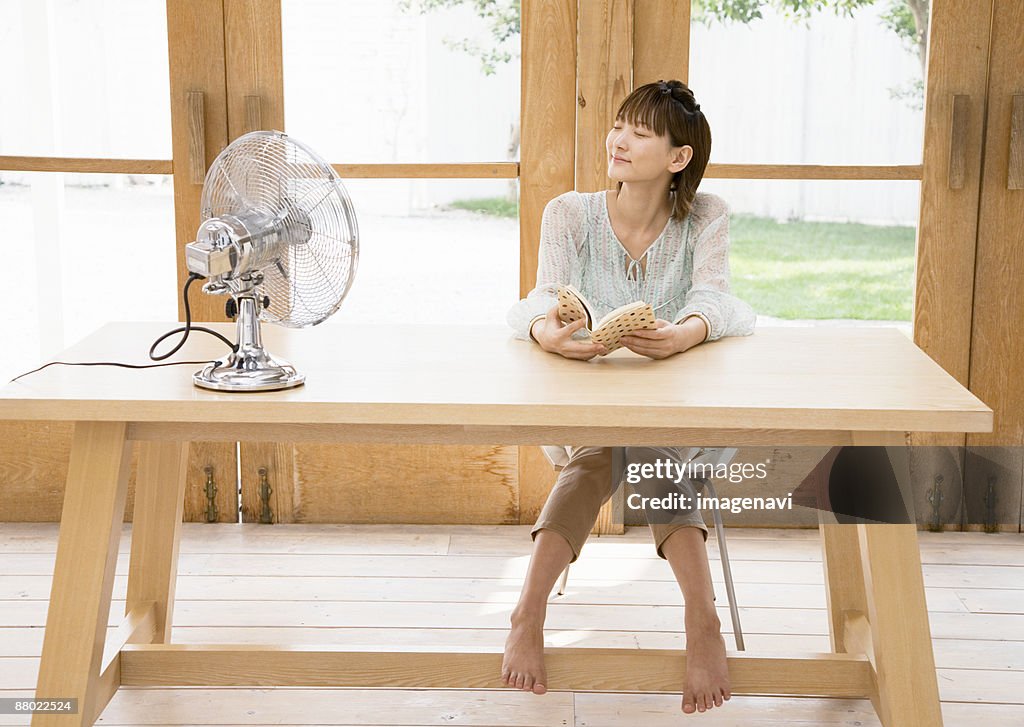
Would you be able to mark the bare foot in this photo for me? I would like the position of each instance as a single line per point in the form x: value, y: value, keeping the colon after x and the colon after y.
x: 707, y: 672
x: 523, y: 665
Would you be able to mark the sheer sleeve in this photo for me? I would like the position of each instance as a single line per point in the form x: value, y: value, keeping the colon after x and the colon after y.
x: 561, y: 244
x: 709, y: 296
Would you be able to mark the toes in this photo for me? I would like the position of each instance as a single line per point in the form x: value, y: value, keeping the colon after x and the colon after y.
x: 528, y: 683
x: 504, y: 676
x: 718, y: 699
x: 539, y: 688
x: 519, y: 679
x: 701, y: 705
x: 688, y: 704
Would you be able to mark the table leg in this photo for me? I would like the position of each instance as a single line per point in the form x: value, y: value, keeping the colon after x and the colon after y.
x: 876, y: 603
x: 156, y: 530
x: 83, y: 577
x: 844, y: 578
x: 904, y: 664
x: 846, y: 596
x: 611, y: 520
x: 844, y: 581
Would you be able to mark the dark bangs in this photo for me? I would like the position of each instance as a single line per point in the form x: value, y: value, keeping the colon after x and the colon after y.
x: 647, y: 106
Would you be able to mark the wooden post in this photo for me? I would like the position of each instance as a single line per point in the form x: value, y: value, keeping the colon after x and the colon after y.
x: 195, y: 48
x: 547, y: 158
x: 997, y: 352
x: 947, y: 231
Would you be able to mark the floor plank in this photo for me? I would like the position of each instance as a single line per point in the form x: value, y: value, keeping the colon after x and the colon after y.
x: 468, y: 615
x: 403, y: 588
x: 505, y: 708
x: 472, y: 590
x: 590, y: 567
x: 248, y: 538
x: 656, y: 710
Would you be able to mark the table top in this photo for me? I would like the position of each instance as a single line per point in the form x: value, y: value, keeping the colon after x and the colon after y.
x: 816, y: 378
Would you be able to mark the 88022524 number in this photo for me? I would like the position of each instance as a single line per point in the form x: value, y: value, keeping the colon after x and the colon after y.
x: 20, y: 705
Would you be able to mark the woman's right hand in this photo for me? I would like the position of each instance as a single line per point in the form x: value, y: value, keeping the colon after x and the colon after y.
x: 556, y: 337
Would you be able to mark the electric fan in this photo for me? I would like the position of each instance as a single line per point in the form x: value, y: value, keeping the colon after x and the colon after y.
x: 279, y: 236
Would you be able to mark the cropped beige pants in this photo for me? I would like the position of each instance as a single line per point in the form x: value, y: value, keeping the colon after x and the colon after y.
x: 586, y: 483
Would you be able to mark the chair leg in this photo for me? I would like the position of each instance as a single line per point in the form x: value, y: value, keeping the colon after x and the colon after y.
x: 562, y: 581
x: 730, y: 590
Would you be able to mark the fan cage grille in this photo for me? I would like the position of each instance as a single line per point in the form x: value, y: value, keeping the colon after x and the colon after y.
x: 314, y: 263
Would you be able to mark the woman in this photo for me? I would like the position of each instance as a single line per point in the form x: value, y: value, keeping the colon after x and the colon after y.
x: 654, y: 239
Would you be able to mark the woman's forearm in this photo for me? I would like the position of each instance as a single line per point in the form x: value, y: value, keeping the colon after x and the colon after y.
x: 692, y: 331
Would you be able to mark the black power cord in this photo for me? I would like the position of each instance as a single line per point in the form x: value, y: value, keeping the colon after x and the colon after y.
x: 186, y: 329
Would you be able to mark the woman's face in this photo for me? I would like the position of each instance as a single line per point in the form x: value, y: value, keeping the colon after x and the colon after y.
x: 636, y: 153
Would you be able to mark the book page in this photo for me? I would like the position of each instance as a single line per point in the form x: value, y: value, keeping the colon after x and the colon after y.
x: 621, y: 321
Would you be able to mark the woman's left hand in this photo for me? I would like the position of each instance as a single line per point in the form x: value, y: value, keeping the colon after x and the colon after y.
x: 660, y: 342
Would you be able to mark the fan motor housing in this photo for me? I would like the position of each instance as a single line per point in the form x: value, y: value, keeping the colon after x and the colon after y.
x: 229, y: 245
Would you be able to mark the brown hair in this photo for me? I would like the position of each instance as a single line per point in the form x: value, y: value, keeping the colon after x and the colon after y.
x: 669, y: 107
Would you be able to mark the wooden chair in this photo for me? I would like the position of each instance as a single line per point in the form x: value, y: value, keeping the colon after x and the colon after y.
x: 559, y: 457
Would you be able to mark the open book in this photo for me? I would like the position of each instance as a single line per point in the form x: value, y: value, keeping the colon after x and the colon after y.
x: 625, y: 319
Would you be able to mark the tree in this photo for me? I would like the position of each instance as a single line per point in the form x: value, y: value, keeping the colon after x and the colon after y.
x: 502, y: 17
x: 908, y: 19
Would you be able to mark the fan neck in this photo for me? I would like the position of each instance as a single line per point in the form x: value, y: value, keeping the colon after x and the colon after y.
x: 248, y: 324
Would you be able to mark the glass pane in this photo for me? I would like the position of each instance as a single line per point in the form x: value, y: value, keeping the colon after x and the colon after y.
x: 434, y: 251
x: 87, y: 250
x: 437, y: 251
x: 366, y: 81
x: 819, y: 252
x: 90, y: 76
x: 777, y: 91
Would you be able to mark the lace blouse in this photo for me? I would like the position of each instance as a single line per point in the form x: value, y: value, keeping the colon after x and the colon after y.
x: 687, y: 266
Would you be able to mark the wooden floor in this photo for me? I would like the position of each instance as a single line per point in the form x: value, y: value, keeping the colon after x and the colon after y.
x: 442, y: 587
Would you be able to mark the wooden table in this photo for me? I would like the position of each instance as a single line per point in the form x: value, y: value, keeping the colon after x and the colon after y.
x: 438, y: 384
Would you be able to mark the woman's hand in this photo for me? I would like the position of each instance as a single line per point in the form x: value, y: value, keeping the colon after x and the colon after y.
x: 556, y: 337
x: 660, y: 342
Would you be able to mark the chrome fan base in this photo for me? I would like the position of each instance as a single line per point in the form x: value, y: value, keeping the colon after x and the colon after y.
x: 252, y: 369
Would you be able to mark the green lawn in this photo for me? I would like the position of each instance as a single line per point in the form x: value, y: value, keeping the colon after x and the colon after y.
x: 807, y: 269
x: 497, y: 206
x: 822, y: 269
